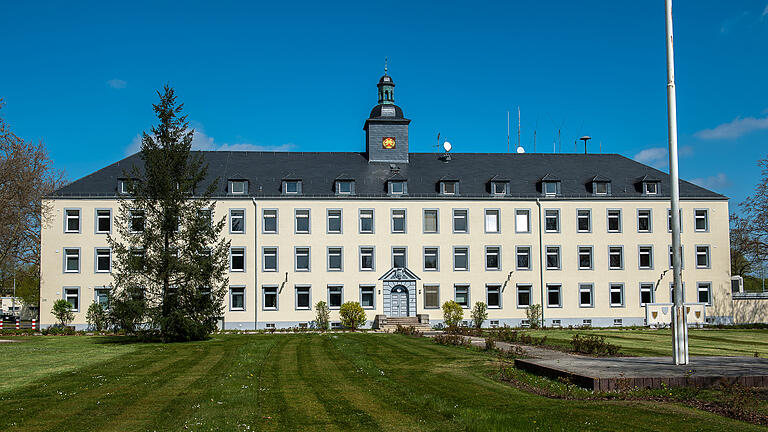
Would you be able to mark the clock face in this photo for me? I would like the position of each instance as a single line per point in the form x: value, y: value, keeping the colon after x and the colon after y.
x: 388, y: 142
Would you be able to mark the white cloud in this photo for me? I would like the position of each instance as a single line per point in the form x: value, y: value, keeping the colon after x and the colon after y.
x: 765, y: 12
x: 734, y: 129
x: 654, y: 156
x: 116, y: 83
x: 204, y: 142
x: 719, y: 181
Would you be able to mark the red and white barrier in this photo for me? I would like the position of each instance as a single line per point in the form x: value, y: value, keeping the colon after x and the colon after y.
x: 1, y: 324
x: 17, y: 323
x: 34, y: 323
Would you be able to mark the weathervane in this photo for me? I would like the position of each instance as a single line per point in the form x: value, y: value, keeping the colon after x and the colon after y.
x: 385, y: 65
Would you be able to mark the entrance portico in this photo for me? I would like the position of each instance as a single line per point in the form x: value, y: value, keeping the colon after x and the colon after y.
x: 399, y: 292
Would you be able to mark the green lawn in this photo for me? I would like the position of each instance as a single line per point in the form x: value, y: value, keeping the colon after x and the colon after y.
x: 647, y: 342
x: 294, y: 382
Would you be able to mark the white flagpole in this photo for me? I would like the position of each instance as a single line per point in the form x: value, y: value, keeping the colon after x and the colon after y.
x: 679, y: 325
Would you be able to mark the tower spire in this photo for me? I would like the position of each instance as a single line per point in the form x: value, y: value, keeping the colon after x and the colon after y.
x: 385, y: 65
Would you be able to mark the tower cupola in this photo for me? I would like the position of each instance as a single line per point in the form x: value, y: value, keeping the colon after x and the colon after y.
x: 386, y: 88
x: 386, y: 129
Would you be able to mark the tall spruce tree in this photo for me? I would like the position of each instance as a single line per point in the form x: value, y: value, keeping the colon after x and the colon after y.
x: 170, y: 260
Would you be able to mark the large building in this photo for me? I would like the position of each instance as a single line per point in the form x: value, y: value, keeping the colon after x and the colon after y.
x: 586, y: 236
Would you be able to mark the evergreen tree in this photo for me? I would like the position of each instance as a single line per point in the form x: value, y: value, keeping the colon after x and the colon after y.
x: 169, y: 258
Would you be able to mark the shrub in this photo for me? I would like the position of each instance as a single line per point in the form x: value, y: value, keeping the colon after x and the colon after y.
x: 62, y: 310
x: 490, y: 343
x: 450, y: 339
x: 409, y: 330
x: 479, y: 314
x: 465, y: 331
x: 352, y: 315
x: 96, y: 316
x: 593, y: 344
x: 453, y: 313
x: 533, y: 313
x: 322, y: 316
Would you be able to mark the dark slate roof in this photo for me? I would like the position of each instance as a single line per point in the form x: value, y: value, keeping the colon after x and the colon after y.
x: 265, y: 170
x: 376, y: 112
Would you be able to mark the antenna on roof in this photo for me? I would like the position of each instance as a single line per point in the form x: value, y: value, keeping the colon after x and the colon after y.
x: 507, y: 131
x: 518, y: 125
x: 585, y: 138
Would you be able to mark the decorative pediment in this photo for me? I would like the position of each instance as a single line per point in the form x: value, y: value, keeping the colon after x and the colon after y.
x: 399, y: 274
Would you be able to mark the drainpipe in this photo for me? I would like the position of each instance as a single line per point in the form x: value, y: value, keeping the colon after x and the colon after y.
x: 256, y: 267
x: 541, y: 262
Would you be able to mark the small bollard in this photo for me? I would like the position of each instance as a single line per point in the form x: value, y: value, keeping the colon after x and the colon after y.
x: 34, y: 323
x: 17, y: 323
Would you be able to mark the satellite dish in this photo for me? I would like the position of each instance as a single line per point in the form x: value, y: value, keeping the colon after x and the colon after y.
x: 447, y: 146
x: 520, y: 149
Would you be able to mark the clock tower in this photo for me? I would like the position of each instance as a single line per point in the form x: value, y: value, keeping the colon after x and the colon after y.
x: 386, y: 130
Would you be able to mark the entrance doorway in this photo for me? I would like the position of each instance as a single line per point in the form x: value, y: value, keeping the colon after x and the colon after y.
x: 399, y: 302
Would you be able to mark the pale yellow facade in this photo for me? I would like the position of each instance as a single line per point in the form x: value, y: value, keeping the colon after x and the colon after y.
x: 57, y: 283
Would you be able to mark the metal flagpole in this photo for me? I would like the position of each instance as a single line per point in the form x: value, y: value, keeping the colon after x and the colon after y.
x: 679, y: 325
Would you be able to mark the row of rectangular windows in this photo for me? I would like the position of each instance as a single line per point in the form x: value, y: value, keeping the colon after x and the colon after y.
x: 431, y: 299
x: 492, y: 221
x: 335, y: 258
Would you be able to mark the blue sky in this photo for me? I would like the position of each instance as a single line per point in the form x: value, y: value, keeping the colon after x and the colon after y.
x: 301, y: 76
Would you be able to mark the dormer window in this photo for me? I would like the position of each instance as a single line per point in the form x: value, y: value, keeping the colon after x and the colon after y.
x: 650, y: 188
x: 122, y: 186
x: 292, y: 187
x: 499, y: 188
x: 397, y: 187
x: 550, y: 188
x: 345, y: 187
x: 449, y: 187
x: 600, y: 188
x: 238, y: 187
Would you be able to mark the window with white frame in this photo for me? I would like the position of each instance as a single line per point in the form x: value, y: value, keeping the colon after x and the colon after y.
x: 72, y: 220
x: 303, y: 298
x: 553, y: 257
x: 430, y: 221
x: 367, y: 296
x: 554, y: 295
x: 493, y: 296
x: 366, y: 258
x: 292, y: 187
x: 523, y: 295
x: 614, y: 221
x: 72, y: 295
x: 669, y: 220
x: 431, y: 296
x: 238, y: 187
x: 397, y: 187
x: 335, y: 259
x: 269, y: 259
x: 460, y: 258
x: 237, y: 221
x: 585, y: 257
x: 366, y: 221
x: 103, y: 221
x: 430, y: 258
x: 701, y: 220
x: 103, y: 260
x: 461, y: 295
x: 237, y: 259
x: 334, y: 221
x: 704, y: 292
x: 398, y: 221
x: 522, y: 221
x: 335, y: 296
x: 448, y: 187
x: 101, y: 296
x: 551, y: 221
x: 71, y: 260
x: 269, y: 221
x: 269, y: 299
x: 702, y: 256
x: 617, y: 294
x: 646, y: 293
x: 644, y: 221
x: 583, y: 220
x: 137, y: 221
x: 345, y: 187
x: 600, y: 187
x: 237, y: 298
x: 493, y: 257
x: 499, y: 188
x: 460, y: 224
x: 615, y: 257
x: 523, y: 255
x: 302, y: 258
x: 586, y: 295
x: 302, y: 221
x: 645, y: 255
x: 550, y: 188
x: 492, y: 221
x: 399, y: 257
x: 650, y: 188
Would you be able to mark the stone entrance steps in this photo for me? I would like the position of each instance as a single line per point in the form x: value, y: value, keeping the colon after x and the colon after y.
x: 391, y: 323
